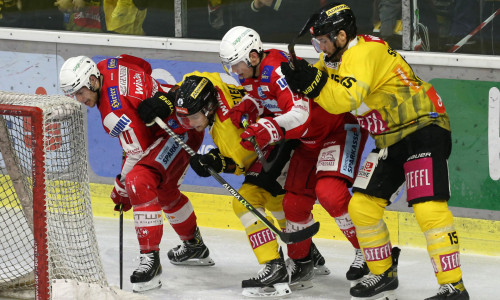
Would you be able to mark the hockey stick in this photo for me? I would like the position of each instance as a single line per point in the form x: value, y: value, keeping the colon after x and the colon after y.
x: 476, y: 30
x: 266, y: 165
x: 121, y: 246
x: 286, y: 237
x: 291, y: 46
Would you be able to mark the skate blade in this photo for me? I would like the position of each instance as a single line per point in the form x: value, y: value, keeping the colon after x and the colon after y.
x: 195, y: 262
x: 277, y: 290
x: 301, y: 285
x: 139, y: 287
x: 387, y: 295
x: 321, y: 270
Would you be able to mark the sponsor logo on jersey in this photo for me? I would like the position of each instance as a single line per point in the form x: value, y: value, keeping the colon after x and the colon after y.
x: 405, y: 78
x: 260, y: 238
x: 136, y: 87
x: 328, y: 159
x: 373, y: 122
x: 282, y: 83
x: 436, y: 100
x: 272, y: 105
x: 173, y: 124
x: 223, y: 110
x: 121, y: 125
x: 112, y: 63
x: 372, y: 38
x: 248, y: 87
x: 266, y: 73
x: 170, y: 151
x: 114, y: 98
x: 123, y: 80
x: 261, y: 93
x: 378, y: 253
x: 350, y: 156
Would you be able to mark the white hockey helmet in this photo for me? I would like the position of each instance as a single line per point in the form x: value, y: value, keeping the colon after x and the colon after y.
x: 75, y: 73
x: 236, y: 46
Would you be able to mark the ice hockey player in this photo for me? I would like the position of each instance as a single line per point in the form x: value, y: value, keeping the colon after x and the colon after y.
x: 411, y: 128
x: 124, y: 92
x: 322, y: 167
x: 204, y: 100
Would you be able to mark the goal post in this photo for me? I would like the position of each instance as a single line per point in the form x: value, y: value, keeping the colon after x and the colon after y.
x: 47, y: 228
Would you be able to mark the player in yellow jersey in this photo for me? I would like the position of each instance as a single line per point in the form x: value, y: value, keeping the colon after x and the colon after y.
x: 204, y: 100
x: 409, y: 123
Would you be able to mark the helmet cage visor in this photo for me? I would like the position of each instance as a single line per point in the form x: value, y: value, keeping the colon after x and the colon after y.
x: 191, y: 121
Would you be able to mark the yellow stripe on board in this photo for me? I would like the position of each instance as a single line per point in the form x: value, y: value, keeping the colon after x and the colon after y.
x: 476, y: 236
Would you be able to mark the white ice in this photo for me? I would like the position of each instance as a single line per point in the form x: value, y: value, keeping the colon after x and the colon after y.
x: 234, y: 262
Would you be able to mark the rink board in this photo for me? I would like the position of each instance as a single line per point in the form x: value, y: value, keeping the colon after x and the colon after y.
x: 476, y: 236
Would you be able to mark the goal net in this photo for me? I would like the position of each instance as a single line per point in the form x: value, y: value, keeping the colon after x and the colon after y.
x: 46, y: 224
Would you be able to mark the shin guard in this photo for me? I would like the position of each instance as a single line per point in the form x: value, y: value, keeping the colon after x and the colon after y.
x: 148, y: 226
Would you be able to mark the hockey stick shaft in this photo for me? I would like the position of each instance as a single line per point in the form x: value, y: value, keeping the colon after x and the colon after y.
x: 476, y: 30
x: 121, y: 246
x: 286, y: 237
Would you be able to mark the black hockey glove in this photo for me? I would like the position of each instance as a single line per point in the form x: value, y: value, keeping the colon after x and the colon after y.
x: 305, y: 79
x: 213, y: 159
x: 160, y: 105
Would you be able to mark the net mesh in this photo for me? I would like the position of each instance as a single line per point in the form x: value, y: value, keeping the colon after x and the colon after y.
x: 71, y: 240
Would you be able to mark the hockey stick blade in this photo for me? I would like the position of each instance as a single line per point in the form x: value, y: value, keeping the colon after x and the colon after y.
x: 287, y: 238
x: 301, y: 235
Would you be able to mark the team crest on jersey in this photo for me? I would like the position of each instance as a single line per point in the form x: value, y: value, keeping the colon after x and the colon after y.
x: 112, y: 63
x: 114, y: 98
x: 266, y: 73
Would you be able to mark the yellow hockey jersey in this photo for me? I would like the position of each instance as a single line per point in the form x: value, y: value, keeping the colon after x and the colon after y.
x: 224, y: 134
x: 376, y: 84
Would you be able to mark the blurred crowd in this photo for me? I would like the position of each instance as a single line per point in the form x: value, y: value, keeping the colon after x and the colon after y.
x: 438, y: 24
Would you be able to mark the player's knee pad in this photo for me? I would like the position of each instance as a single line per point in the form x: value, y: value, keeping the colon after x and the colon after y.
x: 263, y: 241
x: 333, y: 195
x: 436, y: 222
x: 366, y: 210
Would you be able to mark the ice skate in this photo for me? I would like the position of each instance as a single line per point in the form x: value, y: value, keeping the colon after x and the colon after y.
x: 147, y: 276
x: 192, y: 252
x: 451, y: 291
x: 301, y: 272
x: 271, y: 281
x: 319, y: 261
x: 358, y: 268
x: 379, y: 287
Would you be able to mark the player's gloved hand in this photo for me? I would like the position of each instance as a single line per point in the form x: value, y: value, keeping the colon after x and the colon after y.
x: 160, y: 105
x: 265, y: 132
x: 305, y: 79
x: 248, y: 106
x: 119, y: 195
x: 213, y: 159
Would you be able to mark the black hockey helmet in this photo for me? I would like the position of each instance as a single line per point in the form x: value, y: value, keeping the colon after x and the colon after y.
x: 196, y: 94
x: 331, y: 19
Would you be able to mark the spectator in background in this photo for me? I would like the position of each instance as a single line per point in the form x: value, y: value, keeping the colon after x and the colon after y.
x: 81, y: 15
x: 123, y: 16
x: 9, y: 13
x: 387, y: 21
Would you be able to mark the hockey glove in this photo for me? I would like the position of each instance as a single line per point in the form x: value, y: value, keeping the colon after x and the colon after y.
x: 119, y: 196
x: 305, y: 79
x: 213, y: 159
x: 160, y: 105
x: 250, y: 107
x: 265, y: 132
